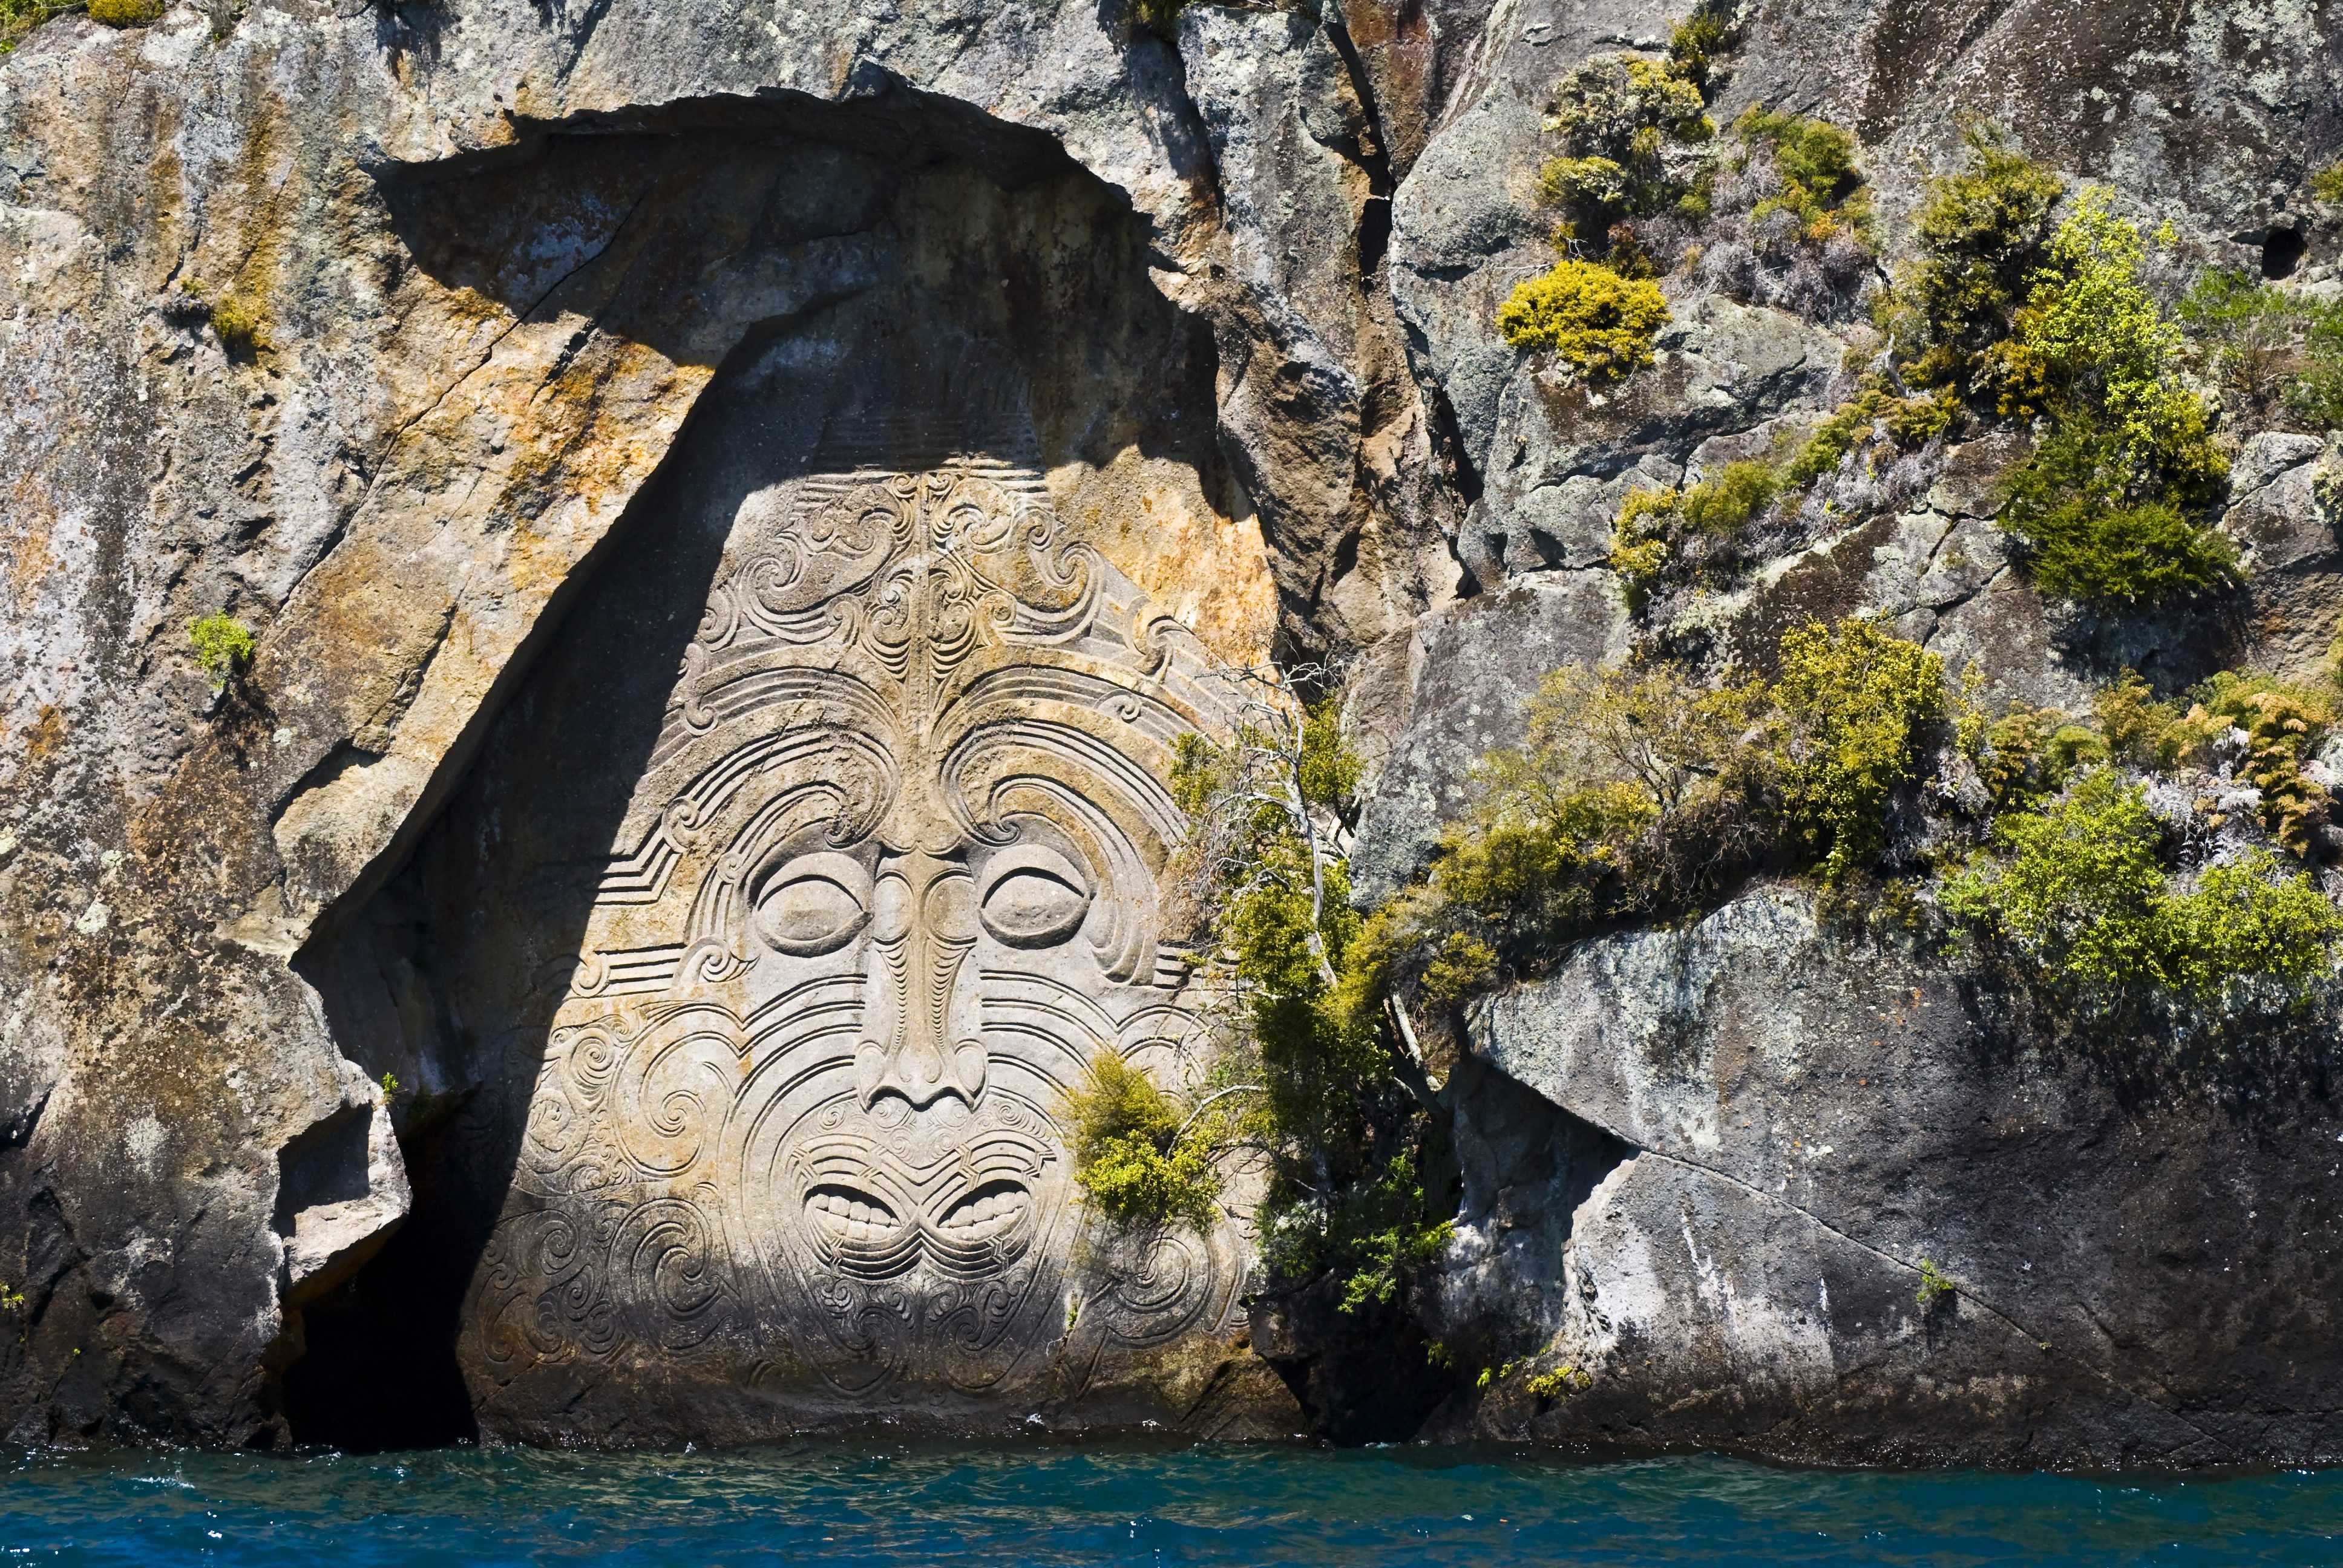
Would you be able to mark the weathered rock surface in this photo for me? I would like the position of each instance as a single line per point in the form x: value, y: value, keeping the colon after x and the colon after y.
x: 526, y: 292
x: 2137, y: 1278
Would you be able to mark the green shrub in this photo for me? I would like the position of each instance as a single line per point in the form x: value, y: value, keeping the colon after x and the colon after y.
x: 2031, y: 752
x: 1137, y: 1159
x: 1304, y: 1013
x: 1650, y: 531
x: 1558, y: 1384
x: 1590, y: 183
x: 2083, y: 895
x: 1981, y: 230
x: 1616, y: 114
x: 1910, y: 421
x: 1616, y: 106
x: 223, y: 645
x: 1821, y: 181
x: 1694, y: 44
x: 2327, y: 185
x: 2255, y: 339
x: 2314, y: 394
x: 1388, y: 1227
x: 124, y: 13
x: 2090, y: 534
x: 1852, y: 701
x: 1935, y: 1286
x: 1598, y: 321
x: 2139, y: 729
x: 2102, y: 351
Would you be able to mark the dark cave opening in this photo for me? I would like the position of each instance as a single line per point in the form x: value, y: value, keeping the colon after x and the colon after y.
x: 2282, y: 251
x: 379, y: 1373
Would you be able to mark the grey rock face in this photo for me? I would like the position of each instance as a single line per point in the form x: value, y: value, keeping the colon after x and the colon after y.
x: 1811, y: 1119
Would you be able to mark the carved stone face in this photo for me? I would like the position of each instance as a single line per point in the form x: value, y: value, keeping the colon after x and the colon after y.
x: 887, y: 887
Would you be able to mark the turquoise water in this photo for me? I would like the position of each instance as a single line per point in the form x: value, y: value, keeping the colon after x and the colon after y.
x: 871, y: 1502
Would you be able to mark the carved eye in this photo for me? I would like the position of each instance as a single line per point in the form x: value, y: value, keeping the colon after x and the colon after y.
x: 815, y: 904
x: 1036, y: 899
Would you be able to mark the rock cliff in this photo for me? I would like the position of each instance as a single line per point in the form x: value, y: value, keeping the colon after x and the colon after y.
x: 573, y: 400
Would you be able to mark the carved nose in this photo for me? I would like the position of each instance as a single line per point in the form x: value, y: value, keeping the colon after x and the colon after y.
x: 922, y: 1053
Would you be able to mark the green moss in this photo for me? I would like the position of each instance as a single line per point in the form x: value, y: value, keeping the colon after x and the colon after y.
x: 223, y: 645
x: 2327, y: 185
x: 241, y: 329
x: 1587, y: 314
x: 18, y: 17
x: 124, y: 13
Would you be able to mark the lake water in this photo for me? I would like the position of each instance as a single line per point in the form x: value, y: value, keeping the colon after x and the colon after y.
x: 874, y: 1502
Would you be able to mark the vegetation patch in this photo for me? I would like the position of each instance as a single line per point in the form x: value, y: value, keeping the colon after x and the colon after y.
x: 1787, y: 218
x: 2080, y: 889
x: 1140, y: 1157
x: 1310, y: 1071
x: 1598, y: 321
x: 124, y: 13
x: 223, y: 646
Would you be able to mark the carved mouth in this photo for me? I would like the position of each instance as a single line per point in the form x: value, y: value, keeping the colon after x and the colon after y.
x: 854, y: 1220
x: 991, y: 1210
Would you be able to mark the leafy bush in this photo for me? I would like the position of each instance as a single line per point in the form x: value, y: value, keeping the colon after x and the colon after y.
x: 2089, y: 535
x: 2139, y: 729
x: 1558, y: 1384
x: 1600, y: 321
x: 1616, y: 106
x: 2031, y: 753
x: 223, y: 645
x: 2102, y: 350
x: 2083, y: 895
x: 1327, y: 1101
x: 1686, y: 535
x: 1618, y: 117
x: 1852, y: 701
x: 1981, y: 231
x: 1639, y: 793
x: 2314, y: 395
x: 2260, y: 343
x: 1588, y: 182
x: 2327, y: 185
x: 2282, y: 724
x: 1136, y: 1158
x: 1817, y: 163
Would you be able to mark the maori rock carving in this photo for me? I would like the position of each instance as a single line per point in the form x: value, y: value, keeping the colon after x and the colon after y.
x: 887, y: 884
